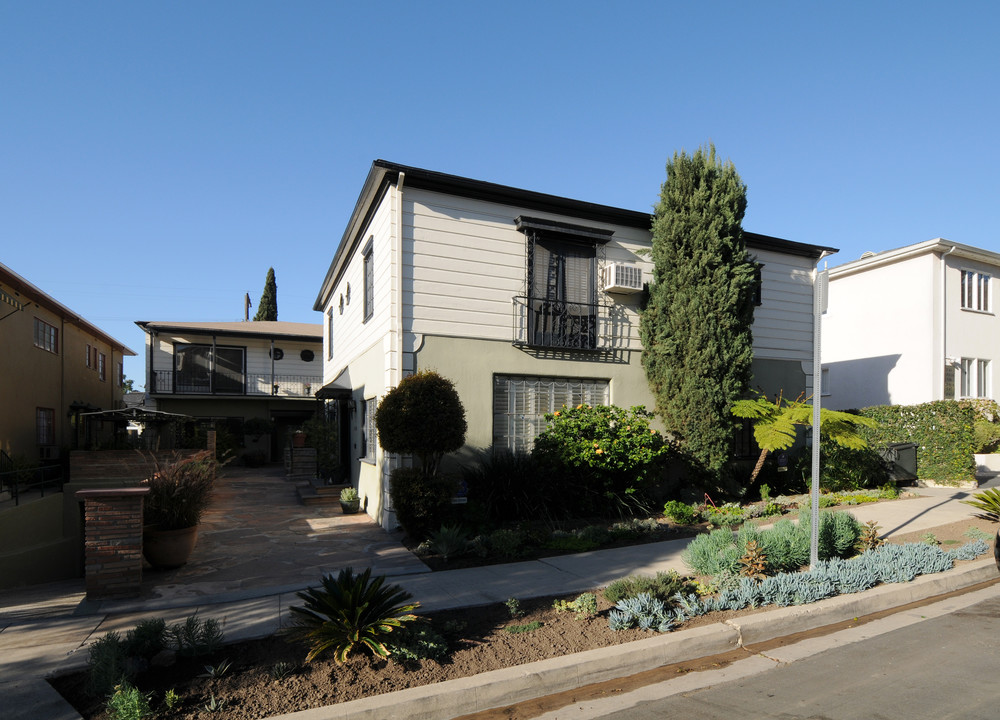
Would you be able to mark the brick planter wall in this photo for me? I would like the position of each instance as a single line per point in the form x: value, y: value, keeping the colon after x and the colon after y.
x: 112, y: 540
x: 108, y: 466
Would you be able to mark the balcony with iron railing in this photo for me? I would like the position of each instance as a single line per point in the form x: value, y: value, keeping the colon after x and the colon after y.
x: 556, y: 324
x: 170, y: 382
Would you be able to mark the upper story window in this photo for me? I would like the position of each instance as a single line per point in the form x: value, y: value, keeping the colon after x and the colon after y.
x: 369, y: 269
x: 46, y: 336
x: 102, y: 365
x: 197, y: 369
x: 329, y: 334
x: 90, y: 362
x: 560, y: 309
x: 975, y: 290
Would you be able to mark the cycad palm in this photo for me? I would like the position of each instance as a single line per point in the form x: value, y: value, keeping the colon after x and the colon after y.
x: 351, y: 610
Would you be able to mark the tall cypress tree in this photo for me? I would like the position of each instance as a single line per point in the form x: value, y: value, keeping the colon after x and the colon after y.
x: 267, y: 308
x: 695, y: 329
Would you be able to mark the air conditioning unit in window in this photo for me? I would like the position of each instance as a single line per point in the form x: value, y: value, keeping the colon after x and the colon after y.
x: 621, y: 278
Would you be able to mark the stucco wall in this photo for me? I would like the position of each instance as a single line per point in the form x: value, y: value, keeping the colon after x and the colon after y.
x: 471, y: 365
x: 36, y: 546
x: 879, y: 335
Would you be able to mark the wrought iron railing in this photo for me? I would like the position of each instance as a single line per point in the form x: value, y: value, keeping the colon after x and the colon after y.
x: 15, y: 483
x: 168, y: 382
x: 561, y: 325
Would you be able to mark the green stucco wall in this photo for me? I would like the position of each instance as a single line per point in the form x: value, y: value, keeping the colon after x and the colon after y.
x: 471, y: 365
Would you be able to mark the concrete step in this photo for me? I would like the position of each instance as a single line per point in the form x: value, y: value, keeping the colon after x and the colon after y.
x: 316, y: 492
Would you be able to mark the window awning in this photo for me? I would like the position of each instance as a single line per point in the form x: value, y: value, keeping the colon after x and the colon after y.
x: 339, y: 388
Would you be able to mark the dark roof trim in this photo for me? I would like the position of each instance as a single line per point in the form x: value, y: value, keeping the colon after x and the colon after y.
x: 755, y: 241
x: 384, y: 173
x: 554, y: 227
x: 151, y: 327
x: 19, y: 285
x: 481, y: 190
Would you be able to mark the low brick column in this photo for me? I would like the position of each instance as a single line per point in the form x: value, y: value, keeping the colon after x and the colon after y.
x: 113, y: 540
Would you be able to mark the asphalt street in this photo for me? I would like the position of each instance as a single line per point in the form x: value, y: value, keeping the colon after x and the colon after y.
x: 936, y: 663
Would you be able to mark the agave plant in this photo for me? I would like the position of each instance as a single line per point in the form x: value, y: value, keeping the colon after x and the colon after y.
x: 348, y: 611
x: 988, y: 503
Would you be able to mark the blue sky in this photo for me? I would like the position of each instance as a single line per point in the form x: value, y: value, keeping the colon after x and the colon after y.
x: 157, y: 158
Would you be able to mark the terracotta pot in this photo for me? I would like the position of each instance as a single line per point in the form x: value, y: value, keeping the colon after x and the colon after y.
x: 299, y: 440
x: 166, y: 549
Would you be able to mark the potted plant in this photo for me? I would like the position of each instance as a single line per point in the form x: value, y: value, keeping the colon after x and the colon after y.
x: 177, y: 499
x: 350, y: 503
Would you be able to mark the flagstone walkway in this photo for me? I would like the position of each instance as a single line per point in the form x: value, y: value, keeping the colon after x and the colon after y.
x: 257, y: 535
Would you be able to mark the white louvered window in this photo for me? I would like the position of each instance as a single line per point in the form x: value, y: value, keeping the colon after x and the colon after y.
x: 520, y: 404
x: 975, y: 291
x: 966, y: 379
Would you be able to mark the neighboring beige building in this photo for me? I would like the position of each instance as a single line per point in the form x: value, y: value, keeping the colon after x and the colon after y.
x: 230, y: 372
x: 525, y: 301
x: 911, y: 325
x: 54, y: 367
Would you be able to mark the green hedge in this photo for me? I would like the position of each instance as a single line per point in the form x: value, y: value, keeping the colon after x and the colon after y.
x: 942, y: 430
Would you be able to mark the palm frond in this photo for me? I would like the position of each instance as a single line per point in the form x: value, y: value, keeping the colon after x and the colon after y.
x: 753, y: 408
x: 988, y: 502
x: 348, y: 611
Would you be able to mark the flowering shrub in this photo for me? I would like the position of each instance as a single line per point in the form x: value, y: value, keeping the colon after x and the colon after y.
x: 605, y: 453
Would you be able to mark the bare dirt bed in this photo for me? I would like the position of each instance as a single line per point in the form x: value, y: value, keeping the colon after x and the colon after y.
x: 479, y: 637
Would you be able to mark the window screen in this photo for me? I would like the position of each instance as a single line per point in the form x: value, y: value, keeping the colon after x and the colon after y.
x: 521, y: 403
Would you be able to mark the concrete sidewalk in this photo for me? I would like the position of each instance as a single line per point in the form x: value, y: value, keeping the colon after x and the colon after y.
x: 46, y: 630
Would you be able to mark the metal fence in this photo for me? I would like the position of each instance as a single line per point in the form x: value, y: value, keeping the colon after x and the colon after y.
x: 18, y: 483
x: 170, y: 382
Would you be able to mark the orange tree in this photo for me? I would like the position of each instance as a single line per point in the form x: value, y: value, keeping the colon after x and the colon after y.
x: 603, y: 457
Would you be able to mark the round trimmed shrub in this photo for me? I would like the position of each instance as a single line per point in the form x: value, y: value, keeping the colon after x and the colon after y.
x: 422, y: 416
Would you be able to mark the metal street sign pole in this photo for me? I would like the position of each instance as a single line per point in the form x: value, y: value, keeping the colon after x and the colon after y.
x: 819, y: 301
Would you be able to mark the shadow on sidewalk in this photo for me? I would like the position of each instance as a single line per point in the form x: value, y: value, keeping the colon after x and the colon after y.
x: 257, y: 535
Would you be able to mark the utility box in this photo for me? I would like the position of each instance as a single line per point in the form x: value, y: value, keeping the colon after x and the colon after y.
x: 901, y: 459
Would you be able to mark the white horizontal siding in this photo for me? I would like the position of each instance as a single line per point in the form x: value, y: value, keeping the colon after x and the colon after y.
x: 352, y: 335
x: 783, y: 324
x: 257, y: 353
x: 464, y: 261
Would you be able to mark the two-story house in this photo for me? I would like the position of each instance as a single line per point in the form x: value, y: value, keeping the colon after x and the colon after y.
x: 911, y: 325
x: 526, y: 301
x: 54, y: 369
x: 230, y: 372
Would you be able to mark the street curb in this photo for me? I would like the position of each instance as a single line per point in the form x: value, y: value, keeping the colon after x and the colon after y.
x: 463, y: 696
x: 794, y: 619
x: 497, y: 688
